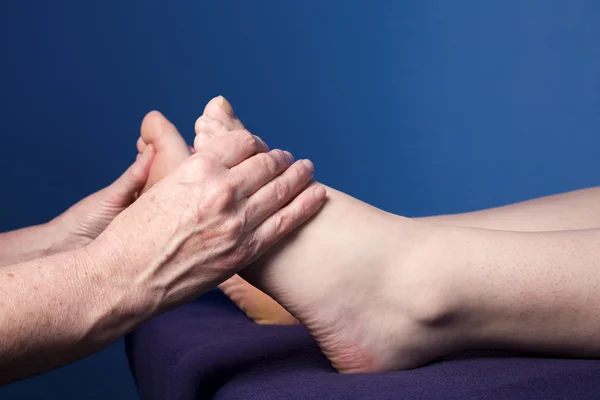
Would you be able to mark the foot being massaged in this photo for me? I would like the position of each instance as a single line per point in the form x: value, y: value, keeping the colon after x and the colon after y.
x: 380, y: 292
x: 377, y: 291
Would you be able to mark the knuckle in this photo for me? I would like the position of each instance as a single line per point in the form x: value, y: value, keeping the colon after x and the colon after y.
x: 282, y: 158
x: 251, y: 210
x: 299, y: 173
x: 235, y: 227
x: 271, y: 162
x: 222, y: 196
x: 192, y: 215
x: 280, y: 190
x: 203, y: 161
x: 305, y: 208
x: 282, y: 224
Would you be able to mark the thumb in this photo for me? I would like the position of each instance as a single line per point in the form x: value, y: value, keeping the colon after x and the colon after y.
x: 131, y: 182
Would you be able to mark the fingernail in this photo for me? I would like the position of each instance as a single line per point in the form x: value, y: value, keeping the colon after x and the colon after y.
x: 261, y: 142
x: 289, y: 155
x: 225, y: 105
x: 309, y: 164
x: 319, y: 193
x: 146, y: 154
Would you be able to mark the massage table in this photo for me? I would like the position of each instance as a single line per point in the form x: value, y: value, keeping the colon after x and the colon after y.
x: 208, y: 349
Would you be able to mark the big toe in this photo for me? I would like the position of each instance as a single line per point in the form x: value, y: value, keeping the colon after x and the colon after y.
x: 157, y: 129
x: 171, y: 148
x: 220, y: 109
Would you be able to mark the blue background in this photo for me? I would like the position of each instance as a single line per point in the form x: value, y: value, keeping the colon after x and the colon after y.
x: 417, y: 107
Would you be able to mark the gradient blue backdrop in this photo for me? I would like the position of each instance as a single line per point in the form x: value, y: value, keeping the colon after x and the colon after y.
x: 417, y: 107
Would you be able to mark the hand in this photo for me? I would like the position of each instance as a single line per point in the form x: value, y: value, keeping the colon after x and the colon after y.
x: 220, y: 210
x: 84, y: 221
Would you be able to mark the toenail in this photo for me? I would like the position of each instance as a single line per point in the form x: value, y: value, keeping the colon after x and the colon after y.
x: 225, y: 105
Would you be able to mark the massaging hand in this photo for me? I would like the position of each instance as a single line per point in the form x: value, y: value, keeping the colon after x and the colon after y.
x: 84, y: 221
x: 216, y: 213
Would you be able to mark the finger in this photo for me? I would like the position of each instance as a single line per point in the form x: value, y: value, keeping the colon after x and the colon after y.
x: 128, y: 184
x: 220, y: 109
x: 300, y: 210
x: 232, y: 148
x: 141, y: 145
x: 254, y: 173
x: 277, y: 193
x: 210, y: 125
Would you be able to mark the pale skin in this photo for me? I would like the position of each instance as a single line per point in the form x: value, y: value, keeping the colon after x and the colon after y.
x: 214, y: 214
x: 81, y: 223
x: 380, y: 292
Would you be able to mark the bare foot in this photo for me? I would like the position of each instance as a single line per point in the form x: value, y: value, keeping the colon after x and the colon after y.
x: 257, y: 305
x: 218, y: 118
x: 171, y: 149
x: 368, y: 285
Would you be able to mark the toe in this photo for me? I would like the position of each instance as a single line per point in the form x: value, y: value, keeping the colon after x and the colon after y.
x: 258, y: 306
x: 141, y: 145
x: 220, y: 109
x: 210, y: 126
x: 155, y: 127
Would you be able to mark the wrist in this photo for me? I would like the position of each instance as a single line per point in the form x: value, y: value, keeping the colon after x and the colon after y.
x: 122, y: 260
x: 62, y: 237
x: 120, y: 305
x: 57, y: 237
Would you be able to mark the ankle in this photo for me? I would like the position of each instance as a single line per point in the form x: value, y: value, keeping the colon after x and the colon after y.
x: 432, y: 285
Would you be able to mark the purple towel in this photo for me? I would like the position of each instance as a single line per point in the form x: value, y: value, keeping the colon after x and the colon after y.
x: 209, y: 349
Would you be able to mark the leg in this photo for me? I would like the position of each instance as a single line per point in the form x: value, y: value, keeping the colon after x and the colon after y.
x: 579, y: 209
x: 392, y: 315
x: 389, y: 292
x: 352, y: 247
x: 574, y: 210
x: 399, y: 293
x: 533, y: 291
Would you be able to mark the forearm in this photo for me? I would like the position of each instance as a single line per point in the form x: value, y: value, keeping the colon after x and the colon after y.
x: 29, y: 243
x: 529, y: 291
x: 579, y: 209
x: 58, y: 309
